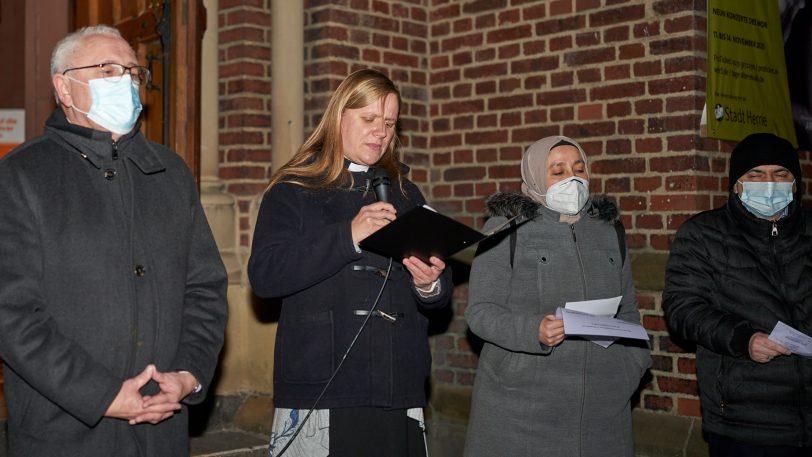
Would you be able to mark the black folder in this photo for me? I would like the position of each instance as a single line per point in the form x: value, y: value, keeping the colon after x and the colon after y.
x: 423, y: 232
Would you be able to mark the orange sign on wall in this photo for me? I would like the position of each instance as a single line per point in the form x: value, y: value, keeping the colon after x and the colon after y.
x: 12, y: 129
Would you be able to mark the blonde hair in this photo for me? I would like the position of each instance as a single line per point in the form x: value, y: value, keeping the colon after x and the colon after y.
x: 319, y: 162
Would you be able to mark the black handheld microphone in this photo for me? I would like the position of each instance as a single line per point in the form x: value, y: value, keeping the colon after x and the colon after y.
x: 381, y: 184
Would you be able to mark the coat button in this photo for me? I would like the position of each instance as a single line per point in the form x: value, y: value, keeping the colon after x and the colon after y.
x: 109, y: 174
x: 140, y: 270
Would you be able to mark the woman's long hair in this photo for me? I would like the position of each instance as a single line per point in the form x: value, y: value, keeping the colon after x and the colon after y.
x: 319, y: 162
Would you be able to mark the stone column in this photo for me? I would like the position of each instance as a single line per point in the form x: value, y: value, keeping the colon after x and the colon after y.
x: 219, y: 205
x: 287, y: 79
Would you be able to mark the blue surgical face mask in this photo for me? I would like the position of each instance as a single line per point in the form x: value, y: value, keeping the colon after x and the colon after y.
x: 765, y: 199
x: 115, y: 106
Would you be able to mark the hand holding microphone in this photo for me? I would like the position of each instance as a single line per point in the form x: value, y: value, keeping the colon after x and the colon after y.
x: 372, y: 217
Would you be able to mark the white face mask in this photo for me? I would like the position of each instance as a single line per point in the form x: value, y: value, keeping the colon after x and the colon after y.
x: 765, y: 199
x: 115, y: 106
x: 568, y: 196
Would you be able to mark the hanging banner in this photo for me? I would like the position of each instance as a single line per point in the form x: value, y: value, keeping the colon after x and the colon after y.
x: 747, y: 88
x: 12, y: 129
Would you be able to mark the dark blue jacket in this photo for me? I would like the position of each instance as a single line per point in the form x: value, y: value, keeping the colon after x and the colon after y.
x: 303, y: 252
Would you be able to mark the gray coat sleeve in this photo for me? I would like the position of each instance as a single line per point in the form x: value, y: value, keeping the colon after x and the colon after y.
x: 490, y: 314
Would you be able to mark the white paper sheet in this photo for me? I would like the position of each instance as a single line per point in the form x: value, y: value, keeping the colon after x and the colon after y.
x: 600, y: 307
x: 582, y: 324
x: 797, y: 342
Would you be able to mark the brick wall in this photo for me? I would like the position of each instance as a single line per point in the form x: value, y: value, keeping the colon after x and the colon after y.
x: 481, y: 80
x: 245, y: 100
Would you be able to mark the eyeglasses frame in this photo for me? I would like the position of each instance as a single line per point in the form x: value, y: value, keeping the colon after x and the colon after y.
x: 127, y: 70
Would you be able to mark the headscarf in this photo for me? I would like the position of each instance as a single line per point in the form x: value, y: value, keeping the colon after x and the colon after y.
x: 534, y: 165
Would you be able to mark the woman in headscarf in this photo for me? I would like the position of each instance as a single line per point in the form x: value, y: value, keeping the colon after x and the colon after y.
x: 539, y: 392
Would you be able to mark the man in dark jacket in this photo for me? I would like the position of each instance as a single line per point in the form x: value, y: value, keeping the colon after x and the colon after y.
x: 732, y: 275
x: 112, y: 291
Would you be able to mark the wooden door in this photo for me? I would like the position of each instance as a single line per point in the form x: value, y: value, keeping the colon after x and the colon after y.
x: 166, y: 36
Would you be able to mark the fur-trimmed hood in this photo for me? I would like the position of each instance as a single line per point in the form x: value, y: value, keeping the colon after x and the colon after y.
x: 510, y: 204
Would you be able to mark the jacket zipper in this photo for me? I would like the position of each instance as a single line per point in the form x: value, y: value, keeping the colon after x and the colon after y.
x: 586, y: 348
x: 115, y: 150
x: 802, y: 388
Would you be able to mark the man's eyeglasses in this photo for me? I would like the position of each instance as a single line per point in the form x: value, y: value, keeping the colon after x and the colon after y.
x: 113, y: 72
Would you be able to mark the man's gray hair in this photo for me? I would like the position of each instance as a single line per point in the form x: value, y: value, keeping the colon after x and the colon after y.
x: 66, y: 47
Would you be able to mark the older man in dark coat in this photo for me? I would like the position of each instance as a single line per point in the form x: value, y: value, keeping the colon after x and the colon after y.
x: 112, y: 291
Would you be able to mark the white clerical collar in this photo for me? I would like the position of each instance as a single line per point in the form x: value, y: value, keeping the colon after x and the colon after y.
x: 357, y: 167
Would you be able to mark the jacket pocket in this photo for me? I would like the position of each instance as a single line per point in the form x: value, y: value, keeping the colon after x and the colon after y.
x: 306, y: 348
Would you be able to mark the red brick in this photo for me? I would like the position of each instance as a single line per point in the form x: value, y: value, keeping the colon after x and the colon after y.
x: 587, y: 39
x: 614, y: 91
x: 510, y: 102
x: 590, y: 56
x: 558, y: 44
x: 616, y: 34
x: 677, y: 202
x: 566, y: 113
x: 617, y: 15
x: 590, y: 111
x: 654, y: 323
x: 658, y: 402
x: 464, y: 174
x: 649, y: 221
x: 241, y: 34
x: 618, y: 147
x: 632, y: 204
x: 589, y: 75
x: 673, y: 45
x: 686, y: 365
x: 534, y: 12
x: 617, y: 185
x: 487, y: 137
x: 558, y: 7
x: 618, y: 109
x: 662, y: 363
x: 688, y: 407
x: 645, y: 301
x: 664, y: 7
x: 617, y: 72
x: 647, y: 183
x: 613, y: 166
x: 677, y: 385
x: 562, y: 97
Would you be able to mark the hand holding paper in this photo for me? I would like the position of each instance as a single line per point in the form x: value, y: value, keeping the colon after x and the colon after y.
x: 588, y: 325
x: 797, y: 342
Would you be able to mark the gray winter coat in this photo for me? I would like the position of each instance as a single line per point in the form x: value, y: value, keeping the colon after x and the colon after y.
x: 530, y: 399
x: 107, y: 264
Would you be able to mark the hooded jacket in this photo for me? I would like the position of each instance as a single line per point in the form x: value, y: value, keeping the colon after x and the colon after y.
x: 729, y: 275
x: 530, y: 399
x: 107, y: 264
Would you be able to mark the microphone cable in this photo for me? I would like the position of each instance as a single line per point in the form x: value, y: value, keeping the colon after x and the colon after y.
x: 343, y: 358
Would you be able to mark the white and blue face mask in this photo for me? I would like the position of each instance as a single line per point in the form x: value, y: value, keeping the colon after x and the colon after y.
x: 568, y: 196
x: 765, y: 199
x: 115, y: 106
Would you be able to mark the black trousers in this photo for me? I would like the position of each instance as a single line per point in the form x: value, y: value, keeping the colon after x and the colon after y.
x: 374, y: 432
x: 722, y: 446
